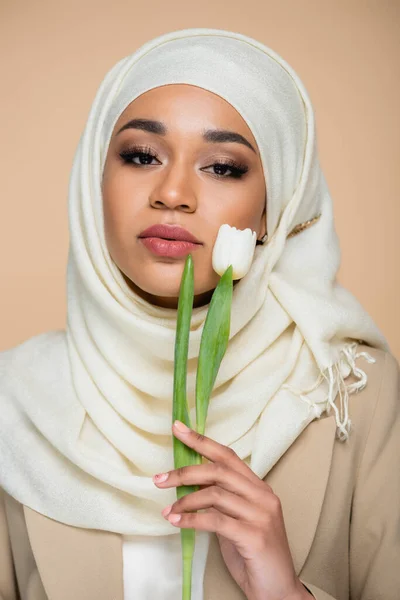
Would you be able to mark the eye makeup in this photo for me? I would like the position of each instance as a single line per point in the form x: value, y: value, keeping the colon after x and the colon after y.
x: 129, y: 154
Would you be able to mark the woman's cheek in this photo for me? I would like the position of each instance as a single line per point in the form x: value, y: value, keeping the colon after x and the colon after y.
x: 205, y: 278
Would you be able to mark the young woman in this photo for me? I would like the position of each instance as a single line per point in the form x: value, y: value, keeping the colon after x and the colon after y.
x: 299, y: 492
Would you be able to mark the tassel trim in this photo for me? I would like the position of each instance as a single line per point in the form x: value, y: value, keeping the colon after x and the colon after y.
x: 337, y: 386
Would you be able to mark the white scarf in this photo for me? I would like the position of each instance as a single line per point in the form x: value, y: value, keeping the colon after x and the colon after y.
x: 86, y: 415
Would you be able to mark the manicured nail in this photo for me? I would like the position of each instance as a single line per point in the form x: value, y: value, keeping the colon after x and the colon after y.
x: 181, y: 427
x: 160, y: 477
x: 174, y: 518
x: 166, y: 510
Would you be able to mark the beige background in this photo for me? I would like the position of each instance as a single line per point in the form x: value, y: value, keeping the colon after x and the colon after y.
x: 54, y: 56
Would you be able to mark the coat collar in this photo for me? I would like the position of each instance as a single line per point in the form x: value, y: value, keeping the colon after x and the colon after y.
x: 86, y: 564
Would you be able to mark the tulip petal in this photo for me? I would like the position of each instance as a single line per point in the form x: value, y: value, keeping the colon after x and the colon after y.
x: 234, y: 247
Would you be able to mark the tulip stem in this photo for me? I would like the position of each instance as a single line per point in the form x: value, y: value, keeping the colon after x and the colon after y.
x: 183, y: 455
x: 187, y: 578
x: 214, y: 342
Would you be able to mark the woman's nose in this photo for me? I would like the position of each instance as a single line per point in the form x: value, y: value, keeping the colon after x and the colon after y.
x: 174, y: 191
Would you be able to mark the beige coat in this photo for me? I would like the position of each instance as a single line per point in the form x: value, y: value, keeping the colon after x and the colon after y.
x: 341, y: 504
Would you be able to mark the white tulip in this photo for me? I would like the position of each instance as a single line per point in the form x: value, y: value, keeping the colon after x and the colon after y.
x: 234, y: 247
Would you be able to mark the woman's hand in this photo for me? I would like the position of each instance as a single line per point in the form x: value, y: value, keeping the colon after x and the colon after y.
x: 244, y: 513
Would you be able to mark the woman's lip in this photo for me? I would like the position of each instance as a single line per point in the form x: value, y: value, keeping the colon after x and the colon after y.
x: 172, y: 248
x: 169, y: 232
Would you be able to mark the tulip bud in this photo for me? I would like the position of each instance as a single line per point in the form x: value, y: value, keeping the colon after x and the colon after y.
x: 233, y: 247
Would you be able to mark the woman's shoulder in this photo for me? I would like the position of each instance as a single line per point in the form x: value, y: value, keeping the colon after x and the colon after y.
x: 37, y: 365
x: 377, y: 404
x: 31, y: 353
x: 380, y: 356
x: 373, y: 395
x: 381, y: 371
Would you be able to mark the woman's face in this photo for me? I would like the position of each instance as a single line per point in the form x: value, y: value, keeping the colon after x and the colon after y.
x: 163, y: 168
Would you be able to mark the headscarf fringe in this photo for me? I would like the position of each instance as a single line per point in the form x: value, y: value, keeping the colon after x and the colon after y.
x: 337, y: 386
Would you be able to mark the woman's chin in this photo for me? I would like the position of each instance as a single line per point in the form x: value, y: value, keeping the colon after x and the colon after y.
x: 164, y: 291
x: 146, y: 287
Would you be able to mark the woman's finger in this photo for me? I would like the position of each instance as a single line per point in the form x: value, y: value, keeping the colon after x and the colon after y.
x: 215, y: 452
x: 225, y: 502
x: 237, y: 532
x: 218, y: 474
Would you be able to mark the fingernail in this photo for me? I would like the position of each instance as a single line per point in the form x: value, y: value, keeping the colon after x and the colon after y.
x: 174, y: 518
x: 181, y: 427
x: 166, y: 510
x: 160, y: 477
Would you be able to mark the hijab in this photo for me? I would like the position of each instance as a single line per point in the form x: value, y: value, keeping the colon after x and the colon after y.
x: 86, y: 412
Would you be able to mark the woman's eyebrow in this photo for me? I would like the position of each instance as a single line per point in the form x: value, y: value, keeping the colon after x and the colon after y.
x: 209, y: 135
x: 223, y: 135
x: 146, y: 125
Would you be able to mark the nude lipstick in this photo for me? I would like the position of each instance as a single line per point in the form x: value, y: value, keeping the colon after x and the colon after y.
x: 169, y: 240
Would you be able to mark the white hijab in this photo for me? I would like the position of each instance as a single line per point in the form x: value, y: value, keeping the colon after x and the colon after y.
x: 86, y: 413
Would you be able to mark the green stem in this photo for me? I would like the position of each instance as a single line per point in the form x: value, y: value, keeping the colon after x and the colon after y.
x: 183, y: 455
x: 187, y: 562
x: 213, y: 345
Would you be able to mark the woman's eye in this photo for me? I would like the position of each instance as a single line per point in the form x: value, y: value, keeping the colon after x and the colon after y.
x: 137, y: 158
x: 235, y: 170
x: 144, y: 156
x: 144, y: 159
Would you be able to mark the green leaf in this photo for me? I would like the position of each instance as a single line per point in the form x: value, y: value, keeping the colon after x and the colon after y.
x: 213, y: 345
